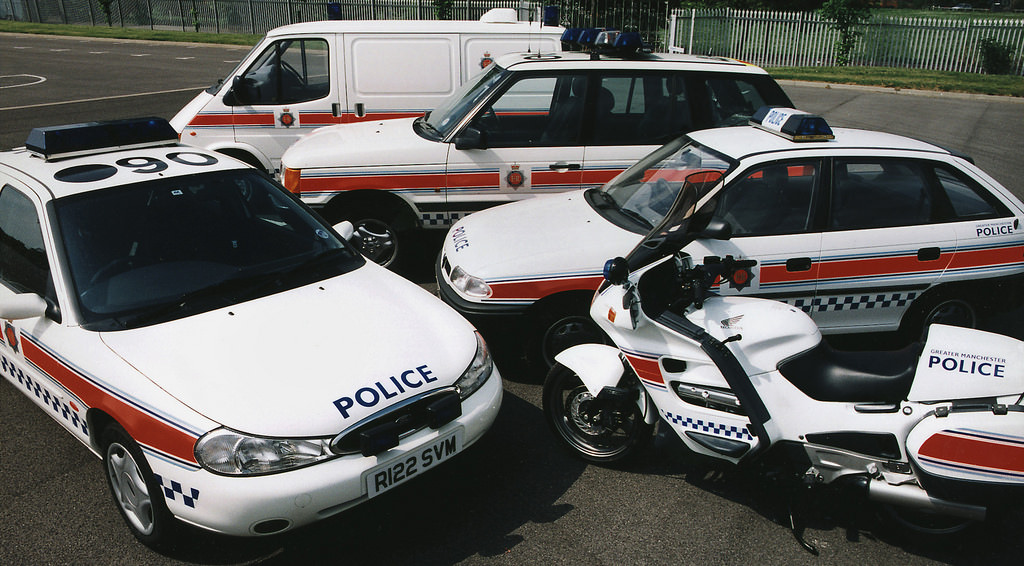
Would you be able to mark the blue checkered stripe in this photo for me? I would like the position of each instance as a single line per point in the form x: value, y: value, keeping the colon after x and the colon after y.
x: 63, y: 410
x: 853, y: 302
x: 701, y: 425
x: 172, y: 489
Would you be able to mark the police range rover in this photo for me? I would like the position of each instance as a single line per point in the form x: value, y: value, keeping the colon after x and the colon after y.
x: 235, y: 363
x: 865, y: 231
x: 529, y: 124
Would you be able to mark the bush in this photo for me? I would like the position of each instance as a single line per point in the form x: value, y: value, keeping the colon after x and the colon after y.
x: 996, y: 56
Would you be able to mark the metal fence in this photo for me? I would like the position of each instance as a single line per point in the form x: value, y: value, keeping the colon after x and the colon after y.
x: 260, y: 16
x: 803, y: 39
x: 764, y: 38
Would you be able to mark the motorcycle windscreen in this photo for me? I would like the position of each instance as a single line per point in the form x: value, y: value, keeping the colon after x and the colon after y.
x: 963, y: 363
x: 976, y: 446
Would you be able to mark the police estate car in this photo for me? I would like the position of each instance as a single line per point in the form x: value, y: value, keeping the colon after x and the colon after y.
x: 528, y: 125
x: 866, y: 231
x: 235, y: 363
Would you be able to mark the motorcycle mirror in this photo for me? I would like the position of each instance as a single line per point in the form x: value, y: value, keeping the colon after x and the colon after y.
x: 616, y: 271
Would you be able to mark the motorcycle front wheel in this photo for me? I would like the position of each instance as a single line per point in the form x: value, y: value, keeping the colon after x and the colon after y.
x: 597, y: 432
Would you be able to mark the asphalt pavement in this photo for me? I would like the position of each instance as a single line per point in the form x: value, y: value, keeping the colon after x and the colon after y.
x: 516, y: 497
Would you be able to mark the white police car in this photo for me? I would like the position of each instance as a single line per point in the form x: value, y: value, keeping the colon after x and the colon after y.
x: 530, y: 124
x: 235, y: 363
x: 866, y: 231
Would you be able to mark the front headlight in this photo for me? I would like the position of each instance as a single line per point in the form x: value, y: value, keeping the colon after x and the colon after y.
x: 469, y: 285
x: 224, y: 451
x: 478, y: 371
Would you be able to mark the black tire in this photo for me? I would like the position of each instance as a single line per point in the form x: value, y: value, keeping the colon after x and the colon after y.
x: 138, y: 496
x: 568, y: 324
x: 942, y: 309
x: 598, y: 436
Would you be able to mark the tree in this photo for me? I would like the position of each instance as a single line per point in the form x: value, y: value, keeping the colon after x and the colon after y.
x: 845, y: 16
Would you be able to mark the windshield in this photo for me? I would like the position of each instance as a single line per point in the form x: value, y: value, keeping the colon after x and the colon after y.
x: 447, y: 116
x: 160, y: 250
x: 642, y: 195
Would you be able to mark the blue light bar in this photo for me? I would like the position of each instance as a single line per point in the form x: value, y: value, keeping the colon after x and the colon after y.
x: 72, y: 140
x: 792, y: 124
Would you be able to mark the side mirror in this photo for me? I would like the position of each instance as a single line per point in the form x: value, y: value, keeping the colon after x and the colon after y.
x: 616, y: 271
x: 15, y: 306
x: 717, y: 230
x: 470, y: 138
x: 238, y: 93
x: 345, y: 229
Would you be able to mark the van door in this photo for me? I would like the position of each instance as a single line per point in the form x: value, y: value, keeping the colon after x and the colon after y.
x: 285, y: 92
x: 394, y: 75
x: 524, y: 142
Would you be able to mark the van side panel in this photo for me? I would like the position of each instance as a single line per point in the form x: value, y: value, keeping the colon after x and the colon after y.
x: 479, y: 50
x: 421, y: 71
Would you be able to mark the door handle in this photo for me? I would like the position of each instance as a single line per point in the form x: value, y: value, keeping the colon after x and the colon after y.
x: 560, y: 166
x: 798, y: 264
x: 928, y: 254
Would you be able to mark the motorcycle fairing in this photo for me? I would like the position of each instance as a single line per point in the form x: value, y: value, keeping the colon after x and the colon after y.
x: 976, y: 445
x: 958, y: 360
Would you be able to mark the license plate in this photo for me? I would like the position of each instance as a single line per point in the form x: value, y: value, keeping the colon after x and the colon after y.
x: 395, y: 472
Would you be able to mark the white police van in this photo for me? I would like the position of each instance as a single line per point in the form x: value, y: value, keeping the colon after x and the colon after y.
x: 865, y: 231
x: 303, y: 76
x: 529, y: 125
x: 235, y: 363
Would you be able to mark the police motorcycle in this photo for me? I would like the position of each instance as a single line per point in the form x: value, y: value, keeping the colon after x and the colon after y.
x: 934, y: 432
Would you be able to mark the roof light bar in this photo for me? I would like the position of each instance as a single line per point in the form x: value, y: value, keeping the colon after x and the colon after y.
x: 57, y: 142
x: 792, y: 124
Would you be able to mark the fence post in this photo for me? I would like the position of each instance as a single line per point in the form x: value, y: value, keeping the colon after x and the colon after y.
x: 216, y: 16
x: 693, y: 24
x: 149, y: 10
x: 252, y: 19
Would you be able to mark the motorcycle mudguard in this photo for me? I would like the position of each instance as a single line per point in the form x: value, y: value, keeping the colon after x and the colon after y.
x: 597, y: 365
x: 972, y: 446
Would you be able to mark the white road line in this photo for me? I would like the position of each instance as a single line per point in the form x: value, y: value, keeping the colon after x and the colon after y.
x: 35, y: 82
x: 102, y: 98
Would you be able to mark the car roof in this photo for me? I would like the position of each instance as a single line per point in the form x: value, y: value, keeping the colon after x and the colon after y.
x: 740, y: 142
x: 579, y: 59
x: 52, y: 176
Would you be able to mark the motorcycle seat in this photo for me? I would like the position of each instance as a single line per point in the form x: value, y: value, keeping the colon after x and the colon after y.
x: 826, y: 374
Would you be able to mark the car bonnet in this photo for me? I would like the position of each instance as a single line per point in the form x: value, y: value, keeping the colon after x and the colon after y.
x: 546, y: 235
x: 275, y: 366
x: 360, y: 144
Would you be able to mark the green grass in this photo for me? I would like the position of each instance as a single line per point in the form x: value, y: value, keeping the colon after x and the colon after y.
x: 1005, y: 85
x: 919, y: 79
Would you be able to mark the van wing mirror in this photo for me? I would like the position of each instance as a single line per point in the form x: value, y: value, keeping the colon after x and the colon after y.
x: 238, y: 93
x: 470, y: 138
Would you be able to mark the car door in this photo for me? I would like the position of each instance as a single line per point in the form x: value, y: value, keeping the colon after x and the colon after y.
x: 528, y: 143
x: 285, y: 92
x: 885, y: 242
x: 638, y: 110
x: 771, y: 209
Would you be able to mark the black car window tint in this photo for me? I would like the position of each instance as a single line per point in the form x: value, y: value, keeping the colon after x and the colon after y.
x: 288, y: 72
x: 880, y: 193
x: 23, y: 263
x: 771, y: 200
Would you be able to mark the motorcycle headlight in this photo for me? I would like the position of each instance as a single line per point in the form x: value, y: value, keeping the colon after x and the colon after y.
x: 469, y: 285
x: 478, y: 371
x: 224, y: 451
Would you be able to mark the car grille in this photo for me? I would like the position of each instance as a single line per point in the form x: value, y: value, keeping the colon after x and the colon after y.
x: 384, y: 431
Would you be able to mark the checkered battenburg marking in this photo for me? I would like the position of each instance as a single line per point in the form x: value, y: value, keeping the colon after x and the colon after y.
x: 853, y: 302
x: 174, y: 489
x: 700, y: 425
x: 63, y: 410
x: 441, y: 218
